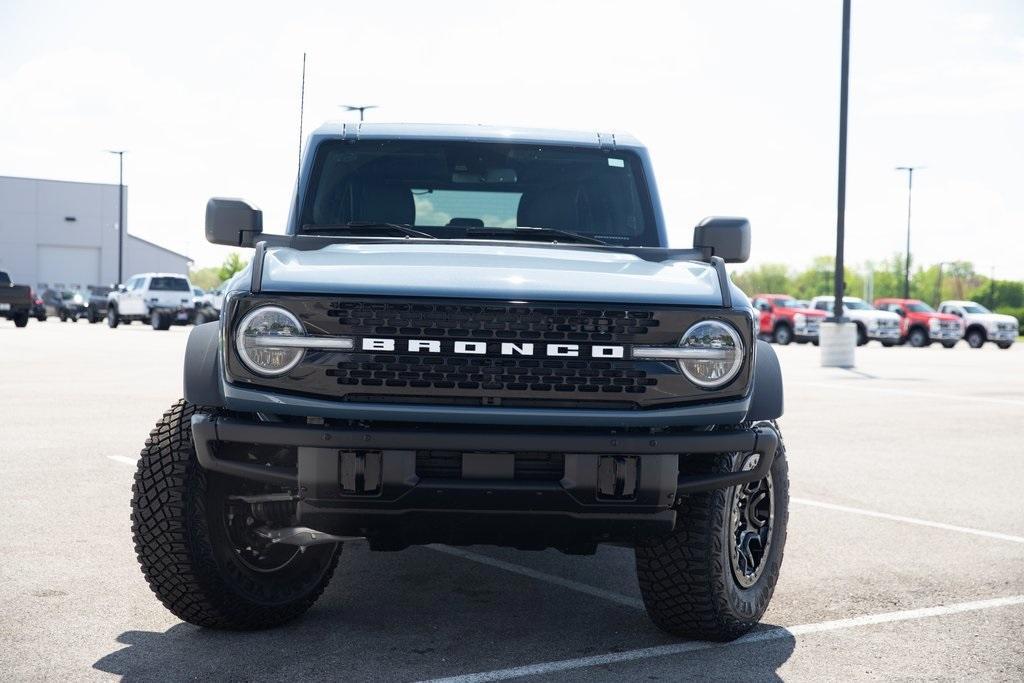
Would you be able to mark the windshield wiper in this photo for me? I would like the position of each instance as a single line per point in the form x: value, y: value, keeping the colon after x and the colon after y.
x: 533, y: 234
x: 402, y: 228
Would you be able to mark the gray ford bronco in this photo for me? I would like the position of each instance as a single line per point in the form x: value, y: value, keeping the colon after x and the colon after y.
x: 470, y: 335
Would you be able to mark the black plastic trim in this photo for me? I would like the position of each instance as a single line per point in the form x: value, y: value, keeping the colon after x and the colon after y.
x: 766, y: 400
x: 202, y: 382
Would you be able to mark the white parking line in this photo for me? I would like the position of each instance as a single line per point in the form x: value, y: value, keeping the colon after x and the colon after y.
x: 123, y: 459
x: 625, y: 600
x: 909, y: 520
x: 768, y: 634
x: 848, y: 384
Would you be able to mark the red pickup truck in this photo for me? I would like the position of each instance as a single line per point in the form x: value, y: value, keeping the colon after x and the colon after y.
x: 784, y: 319
x: 920, y: 324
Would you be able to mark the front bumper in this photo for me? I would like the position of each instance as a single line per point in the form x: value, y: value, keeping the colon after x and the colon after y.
x: 1003, y: 336
x: 884, y: 334
x: 368, y: 481
x: 945, y: 335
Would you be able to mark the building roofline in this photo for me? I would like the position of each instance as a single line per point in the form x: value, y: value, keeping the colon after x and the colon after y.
x: 161, y: 248
x: 58, y: 180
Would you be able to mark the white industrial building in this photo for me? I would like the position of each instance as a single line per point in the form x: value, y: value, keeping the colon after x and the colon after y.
x: 59, y: 233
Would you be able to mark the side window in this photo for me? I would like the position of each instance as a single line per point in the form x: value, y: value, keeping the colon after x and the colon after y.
x: 820, y: 305
x: 138, y: 282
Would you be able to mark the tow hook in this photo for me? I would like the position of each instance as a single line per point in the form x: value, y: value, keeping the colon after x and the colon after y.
x: 301, y: 536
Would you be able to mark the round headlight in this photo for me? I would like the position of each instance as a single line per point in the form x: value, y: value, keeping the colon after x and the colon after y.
x: 714, y: 353
x: 256, y: 336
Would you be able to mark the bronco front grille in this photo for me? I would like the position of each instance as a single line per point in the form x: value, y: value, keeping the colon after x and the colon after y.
x: 395, y: 372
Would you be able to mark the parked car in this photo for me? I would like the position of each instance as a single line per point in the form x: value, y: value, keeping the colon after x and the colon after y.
x: 161, y: 299
x: 982, y: 325
x: 883, y: 326
x: 784, y: 320
x: 920, y: 324
x: 208, y: 306
x: 65, y: 304
x: 96, y: 302
x: 16, y: 301
x: 552, y: 384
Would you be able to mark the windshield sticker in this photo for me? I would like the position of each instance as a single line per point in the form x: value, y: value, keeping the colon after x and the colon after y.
x: 617, y: 163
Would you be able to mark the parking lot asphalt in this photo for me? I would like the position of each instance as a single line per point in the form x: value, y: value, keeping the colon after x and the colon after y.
x: 905, y: 556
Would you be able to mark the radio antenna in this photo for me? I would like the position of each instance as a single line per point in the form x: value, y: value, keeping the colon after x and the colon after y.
x: 302, y: 107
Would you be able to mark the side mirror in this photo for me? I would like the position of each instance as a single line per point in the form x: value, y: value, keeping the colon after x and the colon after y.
x: 122, y: 288
x: 728, y: 238
x: 233, y: 222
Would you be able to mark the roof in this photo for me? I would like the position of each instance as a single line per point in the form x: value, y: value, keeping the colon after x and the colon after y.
x: 476, y: 133
x: 56, y: 180
x: 157, y: 246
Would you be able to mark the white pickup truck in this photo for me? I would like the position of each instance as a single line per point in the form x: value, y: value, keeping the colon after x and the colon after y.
x: 160, y: 299
x: 871, y: 322
x: 982, y: 325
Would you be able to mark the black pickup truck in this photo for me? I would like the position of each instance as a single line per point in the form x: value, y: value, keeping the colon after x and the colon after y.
x: 15, y: 301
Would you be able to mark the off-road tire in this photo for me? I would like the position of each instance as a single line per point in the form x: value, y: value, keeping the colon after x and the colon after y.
x: 862, y: 335
x: 113, y: 320
x: 948, y: 345
x: 686, y: 577
x: 888, y: 344
x: 1004, y: 345
x: 975, y: 339
x: 20, y: 319
x: 184, y: 552
x: 786, y: 335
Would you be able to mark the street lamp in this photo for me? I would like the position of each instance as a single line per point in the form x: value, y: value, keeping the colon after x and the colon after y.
x: 120, y: 212
x: 910, y: 188
x: 359, y: 108
x: 838, y: 338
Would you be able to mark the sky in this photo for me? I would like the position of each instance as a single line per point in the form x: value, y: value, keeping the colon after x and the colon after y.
x: 737, y: 102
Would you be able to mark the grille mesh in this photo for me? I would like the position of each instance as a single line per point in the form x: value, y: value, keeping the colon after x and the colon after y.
x: 491, y: 323
x: 476, y: 321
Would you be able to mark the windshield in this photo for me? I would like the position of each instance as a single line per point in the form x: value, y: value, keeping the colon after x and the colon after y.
x: 976, y: 308
x: 919, y: 307
x: 447, y: 189
x: 854, y: 305
x: 169, y: 284
x: 788, y: 303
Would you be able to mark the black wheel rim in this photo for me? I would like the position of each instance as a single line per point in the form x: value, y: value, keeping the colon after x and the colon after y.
x: 251, y: 550
x: 752, y: 518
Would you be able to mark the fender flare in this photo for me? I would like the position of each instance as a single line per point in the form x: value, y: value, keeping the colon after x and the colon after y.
x: 766, y: 399
x: 202, y: 366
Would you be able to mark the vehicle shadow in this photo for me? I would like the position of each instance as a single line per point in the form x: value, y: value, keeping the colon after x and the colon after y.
x: 420, y: 614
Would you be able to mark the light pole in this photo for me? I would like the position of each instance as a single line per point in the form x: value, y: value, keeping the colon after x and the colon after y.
x: 120, y: 212
x: 837, y: 337
x: 910, y: 190
x: 844, y: 90
x: 359, y: 108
